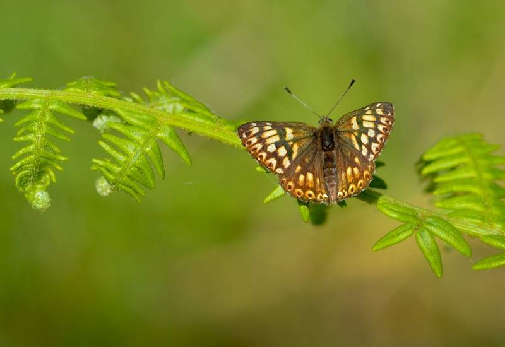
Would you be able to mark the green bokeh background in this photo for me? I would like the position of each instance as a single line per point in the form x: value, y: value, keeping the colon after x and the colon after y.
x: 201, y: 261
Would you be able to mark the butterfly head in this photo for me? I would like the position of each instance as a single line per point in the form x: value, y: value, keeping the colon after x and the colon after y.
x: 325, y: 121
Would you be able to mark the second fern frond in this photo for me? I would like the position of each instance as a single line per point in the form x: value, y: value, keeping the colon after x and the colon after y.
x: 463, y: 173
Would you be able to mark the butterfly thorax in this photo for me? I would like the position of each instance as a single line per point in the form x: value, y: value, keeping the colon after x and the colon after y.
x: 326, y: 136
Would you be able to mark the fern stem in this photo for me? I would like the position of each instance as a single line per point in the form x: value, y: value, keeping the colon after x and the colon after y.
x: 221, y: 130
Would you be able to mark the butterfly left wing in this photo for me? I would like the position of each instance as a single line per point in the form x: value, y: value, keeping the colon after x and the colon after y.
x: 275, y: 145
x: 304, y: 180
x: 289, y: 150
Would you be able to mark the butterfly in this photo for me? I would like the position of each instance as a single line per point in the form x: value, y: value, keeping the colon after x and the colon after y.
x: 327, y: 164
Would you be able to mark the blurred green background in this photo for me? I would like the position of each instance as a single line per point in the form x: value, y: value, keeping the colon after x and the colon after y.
x: 201, y: 261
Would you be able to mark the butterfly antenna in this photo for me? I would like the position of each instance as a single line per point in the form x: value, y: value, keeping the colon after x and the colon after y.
x: 340, y: 99
x: 301, y: 102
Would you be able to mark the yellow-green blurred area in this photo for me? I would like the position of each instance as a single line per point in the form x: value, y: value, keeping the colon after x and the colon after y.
x: 202, y: 261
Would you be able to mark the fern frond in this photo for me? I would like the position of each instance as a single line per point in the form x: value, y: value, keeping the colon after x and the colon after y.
x: 464, y: 175
x: 136, y: 124
x: 425, y: 225
x: 136, y: 152
x: 36, y: 162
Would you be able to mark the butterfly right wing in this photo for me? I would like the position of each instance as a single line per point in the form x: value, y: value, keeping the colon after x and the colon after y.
x: 275, y: 145
x: 354, y: 173
x: 360, y: 136
x: 367, y: 129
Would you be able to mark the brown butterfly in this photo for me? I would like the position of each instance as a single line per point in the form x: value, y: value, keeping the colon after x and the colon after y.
x: 326, y: 164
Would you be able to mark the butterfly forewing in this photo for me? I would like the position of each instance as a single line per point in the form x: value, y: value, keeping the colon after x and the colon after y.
x: 275, y: 145
x: 367, y: 129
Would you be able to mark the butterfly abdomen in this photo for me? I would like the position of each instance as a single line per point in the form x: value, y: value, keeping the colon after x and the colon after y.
x: 330, y: 174
x: 327, y: 145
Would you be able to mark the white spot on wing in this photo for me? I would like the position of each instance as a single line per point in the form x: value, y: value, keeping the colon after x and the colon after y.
x: 364, y: 138
x: 282, y: 151
x: 272, y: 139
x: 252, y: 141
x: 301, y: 180
x: 269, y: 133
x: 385, y: 120
x: 286, y: 162
x: 354, y: 124
x: 289, y: 134
x: 295, y: 150
x: 310, y: 180
x: 355, y: 142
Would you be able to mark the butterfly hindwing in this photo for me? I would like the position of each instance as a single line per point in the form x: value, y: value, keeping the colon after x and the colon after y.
x: 304, y: 180
x: 367, y: 129
x: 275, y: 145
x: 354, y: 173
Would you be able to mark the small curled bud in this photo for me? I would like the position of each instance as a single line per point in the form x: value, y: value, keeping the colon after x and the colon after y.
x: 174, y: 108
x: 41, y: 200
x: 101, y: 122
x: 103, y: 187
